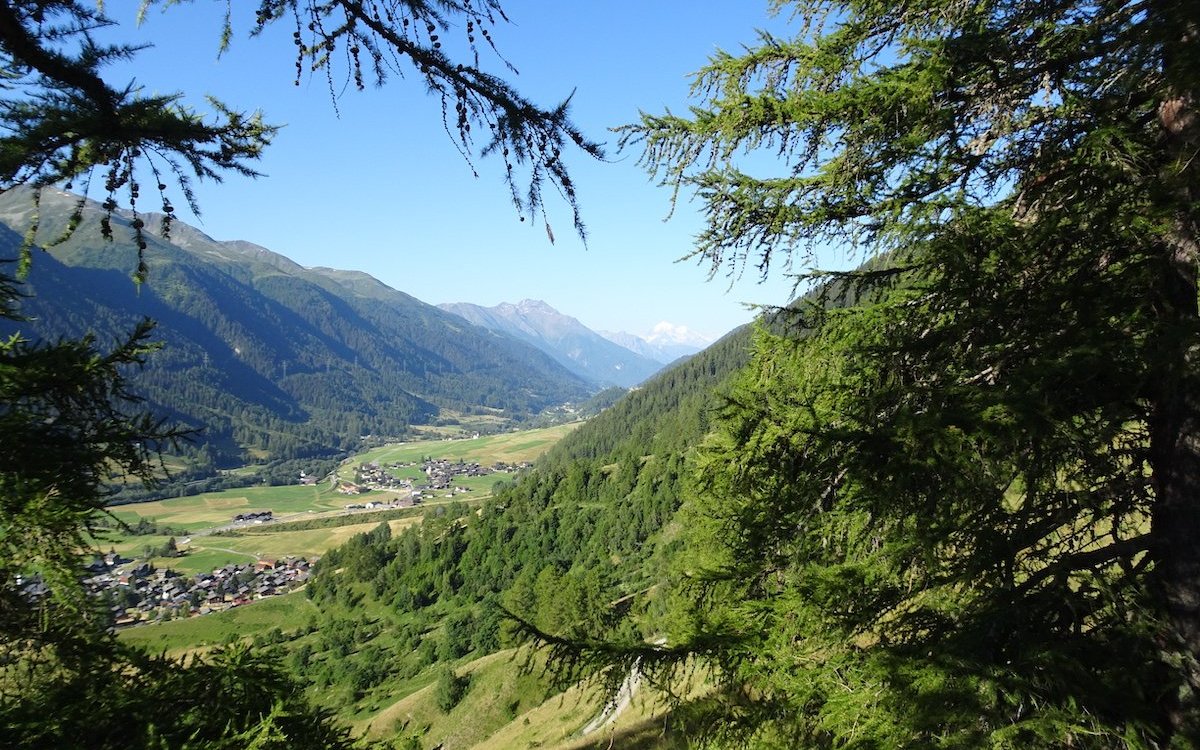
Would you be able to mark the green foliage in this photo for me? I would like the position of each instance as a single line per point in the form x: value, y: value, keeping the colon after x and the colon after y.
x: 168, y: 548
x: 99, y: 695
x: 961, y: 513
x: 450, y: 688
x: 456, y: 636
x: 938, y: 584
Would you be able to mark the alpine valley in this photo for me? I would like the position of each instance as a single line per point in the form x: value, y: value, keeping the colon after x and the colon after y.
x: 273, y: 362
x: 401, y: 631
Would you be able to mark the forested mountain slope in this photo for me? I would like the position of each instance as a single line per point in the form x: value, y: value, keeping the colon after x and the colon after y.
x: 589, y: 525
x: 269, y: 358
x: 598, y: 502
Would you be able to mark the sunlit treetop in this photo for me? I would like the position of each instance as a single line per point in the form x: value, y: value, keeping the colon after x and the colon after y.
x: 882, y: 117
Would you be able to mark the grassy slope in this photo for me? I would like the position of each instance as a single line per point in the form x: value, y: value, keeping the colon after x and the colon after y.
x: 181, y: 636
x: 218, y: 508
x: 508, y: 706
x: 511, y: 447
x: 303, y: 543
x: 504, y: 700
x: 208, y: 552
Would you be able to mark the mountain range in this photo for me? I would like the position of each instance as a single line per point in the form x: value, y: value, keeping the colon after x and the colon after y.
x: 573, y: 345
x: 666, y: 343
x: 271, y: 359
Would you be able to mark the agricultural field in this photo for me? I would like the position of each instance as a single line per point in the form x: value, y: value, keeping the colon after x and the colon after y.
x: 307, y: 543
x: 218, y: 508
x: 205, y: 552
x: 204, y: 532
x: 511, y: 447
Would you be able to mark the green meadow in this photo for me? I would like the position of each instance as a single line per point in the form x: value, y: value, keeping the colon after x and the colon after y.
x: 218, y: 508
x: 510, y: 447
x: 203, y: 553
x: 305, y: 543
x: 291, y: 502
x: 180, y: 636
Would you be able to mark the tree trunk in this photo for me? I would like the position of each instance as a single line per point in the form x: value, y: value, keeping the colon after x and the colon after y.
x: 1175, y: 522
x: 1175, y: 422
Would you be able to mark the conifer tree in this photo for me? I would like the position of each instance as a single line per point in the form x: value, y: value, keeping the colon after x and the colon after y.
x: 69, y: 421
x: 962, y: 512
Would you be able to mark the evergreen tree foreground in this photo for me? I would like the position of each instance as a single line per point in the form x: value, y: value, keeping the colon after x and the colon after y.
x: 958, y: 505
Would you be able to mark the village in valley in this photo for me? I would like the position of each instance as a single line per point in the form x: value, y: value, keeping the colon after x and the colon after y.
x: 441, y: 475
x: 136, y: 592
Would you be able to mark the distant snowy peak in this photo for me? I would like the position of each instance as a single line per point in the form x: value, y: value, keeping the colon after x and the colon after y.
x: 574, y: 345
x: 666, y: 343
x: 669, y: 334
x: 534, y: 306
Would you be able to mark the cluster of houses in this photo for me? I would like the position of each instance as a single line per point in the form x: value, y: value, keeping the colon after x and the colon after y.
x: 441, y: 474
x: 375, y: 477
x: 141, y: 593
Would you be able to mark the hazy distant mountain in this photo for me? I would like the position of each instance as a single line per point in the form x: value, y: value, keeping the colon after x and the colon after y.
x: 273, y: 359
x: 665, y: 344
x: 574, y: 345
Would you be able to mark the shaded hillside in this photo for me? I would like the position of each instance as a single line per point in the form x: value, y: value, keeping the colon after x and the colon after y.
x: 272, y: 359
x: 572, y: 344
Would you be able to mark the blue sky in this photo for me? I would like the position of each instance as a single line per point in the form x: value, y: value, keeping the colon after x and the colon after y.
x: 378, y: 186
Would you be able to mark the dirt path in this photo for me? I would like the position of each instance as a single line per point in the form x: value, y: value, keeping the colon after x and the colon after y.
x: 612, y: 711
